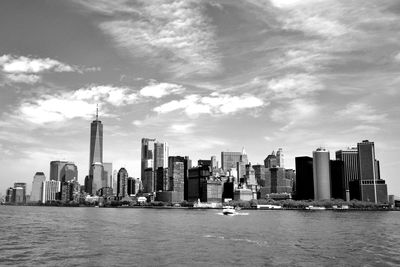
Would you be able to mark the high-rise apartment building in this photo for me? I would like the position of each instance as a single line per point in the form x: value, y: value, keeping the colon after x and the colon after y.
x: 96, y: 168
x: 37, y: 187
x: 321, y: 173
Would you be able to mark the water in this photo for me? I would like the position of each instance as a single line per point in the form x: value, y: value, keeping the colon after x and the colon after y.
x: 57, y: 236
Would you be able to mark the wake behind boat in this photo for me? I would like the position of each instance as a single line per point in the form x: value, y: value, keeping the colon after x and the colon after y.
x: 229, y: 210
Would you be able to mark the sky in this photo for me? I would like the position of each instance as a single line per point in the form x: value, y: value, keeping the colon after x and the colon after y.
x: 205, y: 76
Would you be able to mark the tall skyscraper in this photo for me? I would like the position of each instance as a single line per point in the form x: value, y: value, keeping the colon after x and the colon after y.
x: 161, y: 153
x: 338, y: 189
x: 37, y: 187
x: 56, y: 167
x: 280, y: 158
x: 321, y: 172
x: 271, y: 161
x: 69, y: 172
x: 304, y: 178
x: 147, y: 155
x: 350, y: 165
x: 96, y: 168
x: 229, y: 160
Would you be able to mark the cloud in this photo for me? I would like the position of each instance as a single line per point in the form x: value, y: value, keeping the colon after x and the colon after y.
x: 361, y: 112
x: 181, y: 128
x: 294, y: 112
x: 158, y: 90
x: 22, y: 64
x: 22, y: 78
x: 76, y: 104
x: 294, y: 85
x: 176, y: 34
x: 397, y: 57
x: 213, y: 104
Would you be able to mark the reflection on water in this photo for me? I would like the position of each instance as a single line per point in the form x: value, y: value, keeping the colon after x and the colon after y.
x: 50, y: 236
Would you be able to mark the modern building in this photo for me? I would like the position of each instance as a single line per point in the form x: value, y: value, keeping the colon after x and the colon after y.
x: 96, y: 169
x: 321, y: 174
x: 350, y: 165
x: 338, y: 188
x: 19, y: 193
x: 196, y: 181
x: 69, y: 172
x: 271, y: 161
x: 304, y: 178
x: 161, y: 153
x: 51, y: 190
x: 147, y: 155
x: 187, y: 164
x: 122, y: 183
x: 229, y: 160
x: 67, y: 191
x: 108, y: 175
x: 55, y: 169
x: 37, y: 187
x: 259, y: 172
x: 212, y: 190
x: 280, y: 158
x: 130, y: 186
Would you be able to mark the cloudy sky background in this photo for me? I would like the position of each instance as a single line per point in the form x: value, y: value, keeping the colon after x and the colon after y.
x: 205, y: 76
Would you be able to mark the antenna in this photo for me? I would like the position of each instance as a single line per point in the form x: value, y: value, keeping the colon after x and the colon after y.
x: 97, y: 112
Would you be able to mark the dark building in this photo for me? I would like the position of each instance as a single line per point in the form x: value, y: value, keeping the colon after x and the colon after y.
x: 228, y: 190
x: 148, y: 181
x: 338, y: 188
x: 67, y: 189
x: 350, y: 165
x: 196, y: 181
x: 304, y: 178
x: 69, y: 172
x: 212, y: 191
x: 271, y: 161
x: 9, y: 195
x: 130, y: 186
x: 88, y: 184
x: 187, y: 164
x: 122, y: 183
x: 161, y: 179
x: 204, y: 162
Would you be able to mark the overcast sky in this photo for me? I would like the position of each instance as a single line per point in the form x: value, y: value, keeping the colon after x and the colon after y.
x: 204, y: 76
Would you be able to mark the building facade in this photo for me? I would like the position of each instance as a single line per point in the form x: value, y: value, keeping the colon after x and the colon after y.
x: 304, y: 178
x: 37, y: 187
x: 321, y: 174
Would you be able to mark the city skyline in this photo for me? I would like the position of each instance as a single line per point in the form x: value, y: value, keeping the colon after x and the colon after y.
x: 187, y: 74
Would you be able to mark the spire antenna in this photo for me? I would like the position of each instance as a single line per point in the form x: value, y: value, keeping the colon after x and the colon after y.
x: 97, y: 112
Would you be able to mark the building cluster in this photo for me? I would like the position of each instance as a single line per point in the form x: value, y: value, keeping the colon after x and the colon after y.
x: 355, y: 174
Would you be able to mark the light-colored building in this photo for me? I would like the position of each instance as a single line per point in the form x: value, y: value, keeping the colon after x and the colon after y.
x: 37, y: 187
x: 50, y: 190
x: 321, y: 173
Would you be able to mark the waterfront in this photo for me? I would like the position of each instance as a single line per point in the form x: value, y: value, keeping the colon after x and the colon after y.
x: 50, y: 236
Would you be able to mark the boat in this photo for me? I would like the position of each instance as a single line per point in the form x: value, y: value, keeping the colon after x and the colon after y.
x: 340, y: 207
x: 315, y: 208
x: 229, y: 210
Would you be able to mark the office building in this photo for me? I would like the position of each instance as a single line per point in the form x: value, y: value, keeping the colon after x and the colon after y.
x: 259, y: 172
x: 147, y: 155
x: 37, y: 187
x: 338, y: 189
x: 96, y: 169
x: 350, y: 165
x: 51, y: 190
x: 108, y: 175
x: 280, y: 158
x: 67, y: 191
x: 187, y: 164
x: 196, y: 183
x: 148, y: 181
x: 214, y: 163
x: 161, y: 154
x: 162, y: 180
x: 229, y: 160
x: 19, y: 193
x: 9, y: 195
x: 304, y: 178
x: 321, y: 174
x: 56, y: 167
x: 122, y: 183
x: 69, y: 172
x: 271, y: 161
x: 130, y: 186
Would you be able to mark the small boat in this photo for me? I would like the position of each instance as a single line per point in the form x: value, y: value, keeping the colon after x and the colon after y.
x: 340, y: 207
x: 229, y: 210
x: 269, y: 207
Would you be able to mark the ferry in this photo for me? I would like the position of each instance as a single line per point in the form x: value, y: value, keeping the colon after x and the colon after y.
x: 269, y: 207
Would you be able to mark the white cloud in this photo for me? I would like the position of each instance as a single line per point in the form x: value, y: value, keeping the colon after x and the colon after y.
x: 181, y: 128
x: 294, y: 85
x: 76, y: 104
x: 22, y: 78
x: 361, y: 112
x: 22, y: 64
x: 397, y: 57
x: 158, y: 90
x: 213, y: 104
x: 176, y: 33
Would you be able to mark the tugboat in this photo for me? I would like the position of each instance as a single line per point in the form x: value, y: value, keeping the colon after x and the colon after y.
x: 229, y: 210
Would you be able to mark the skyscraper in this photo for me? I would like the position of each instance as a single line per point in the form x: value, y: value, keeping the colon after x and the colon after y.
x: 69, y: 172
x: 229, y: 160
x: 321, y: 172
x: 161, y: 153
x: 304, y: 178
x: 108, y: 175
x: 147, y: 155
x: 56, y: 167
x: 350, y: 165
x: 50, y: 190
x: 96, y: 168
x: 280, y: 158
x: 122, y: 183
x: 37, y: 187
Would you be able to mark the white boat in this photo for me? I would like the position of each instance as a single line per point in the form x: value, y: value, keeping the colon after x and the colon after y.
x: 340, y: 207
x: 315, y: 208
x: 229, y: 210
x: 269, y: 207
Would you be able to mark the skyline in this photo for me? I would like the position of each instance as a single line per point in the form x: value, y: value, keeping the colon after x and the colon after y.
x: 205, y: 77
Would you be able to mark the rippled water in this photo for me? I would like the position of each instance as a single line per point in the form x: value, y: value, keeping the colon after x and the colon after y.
x: 53, y: 236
